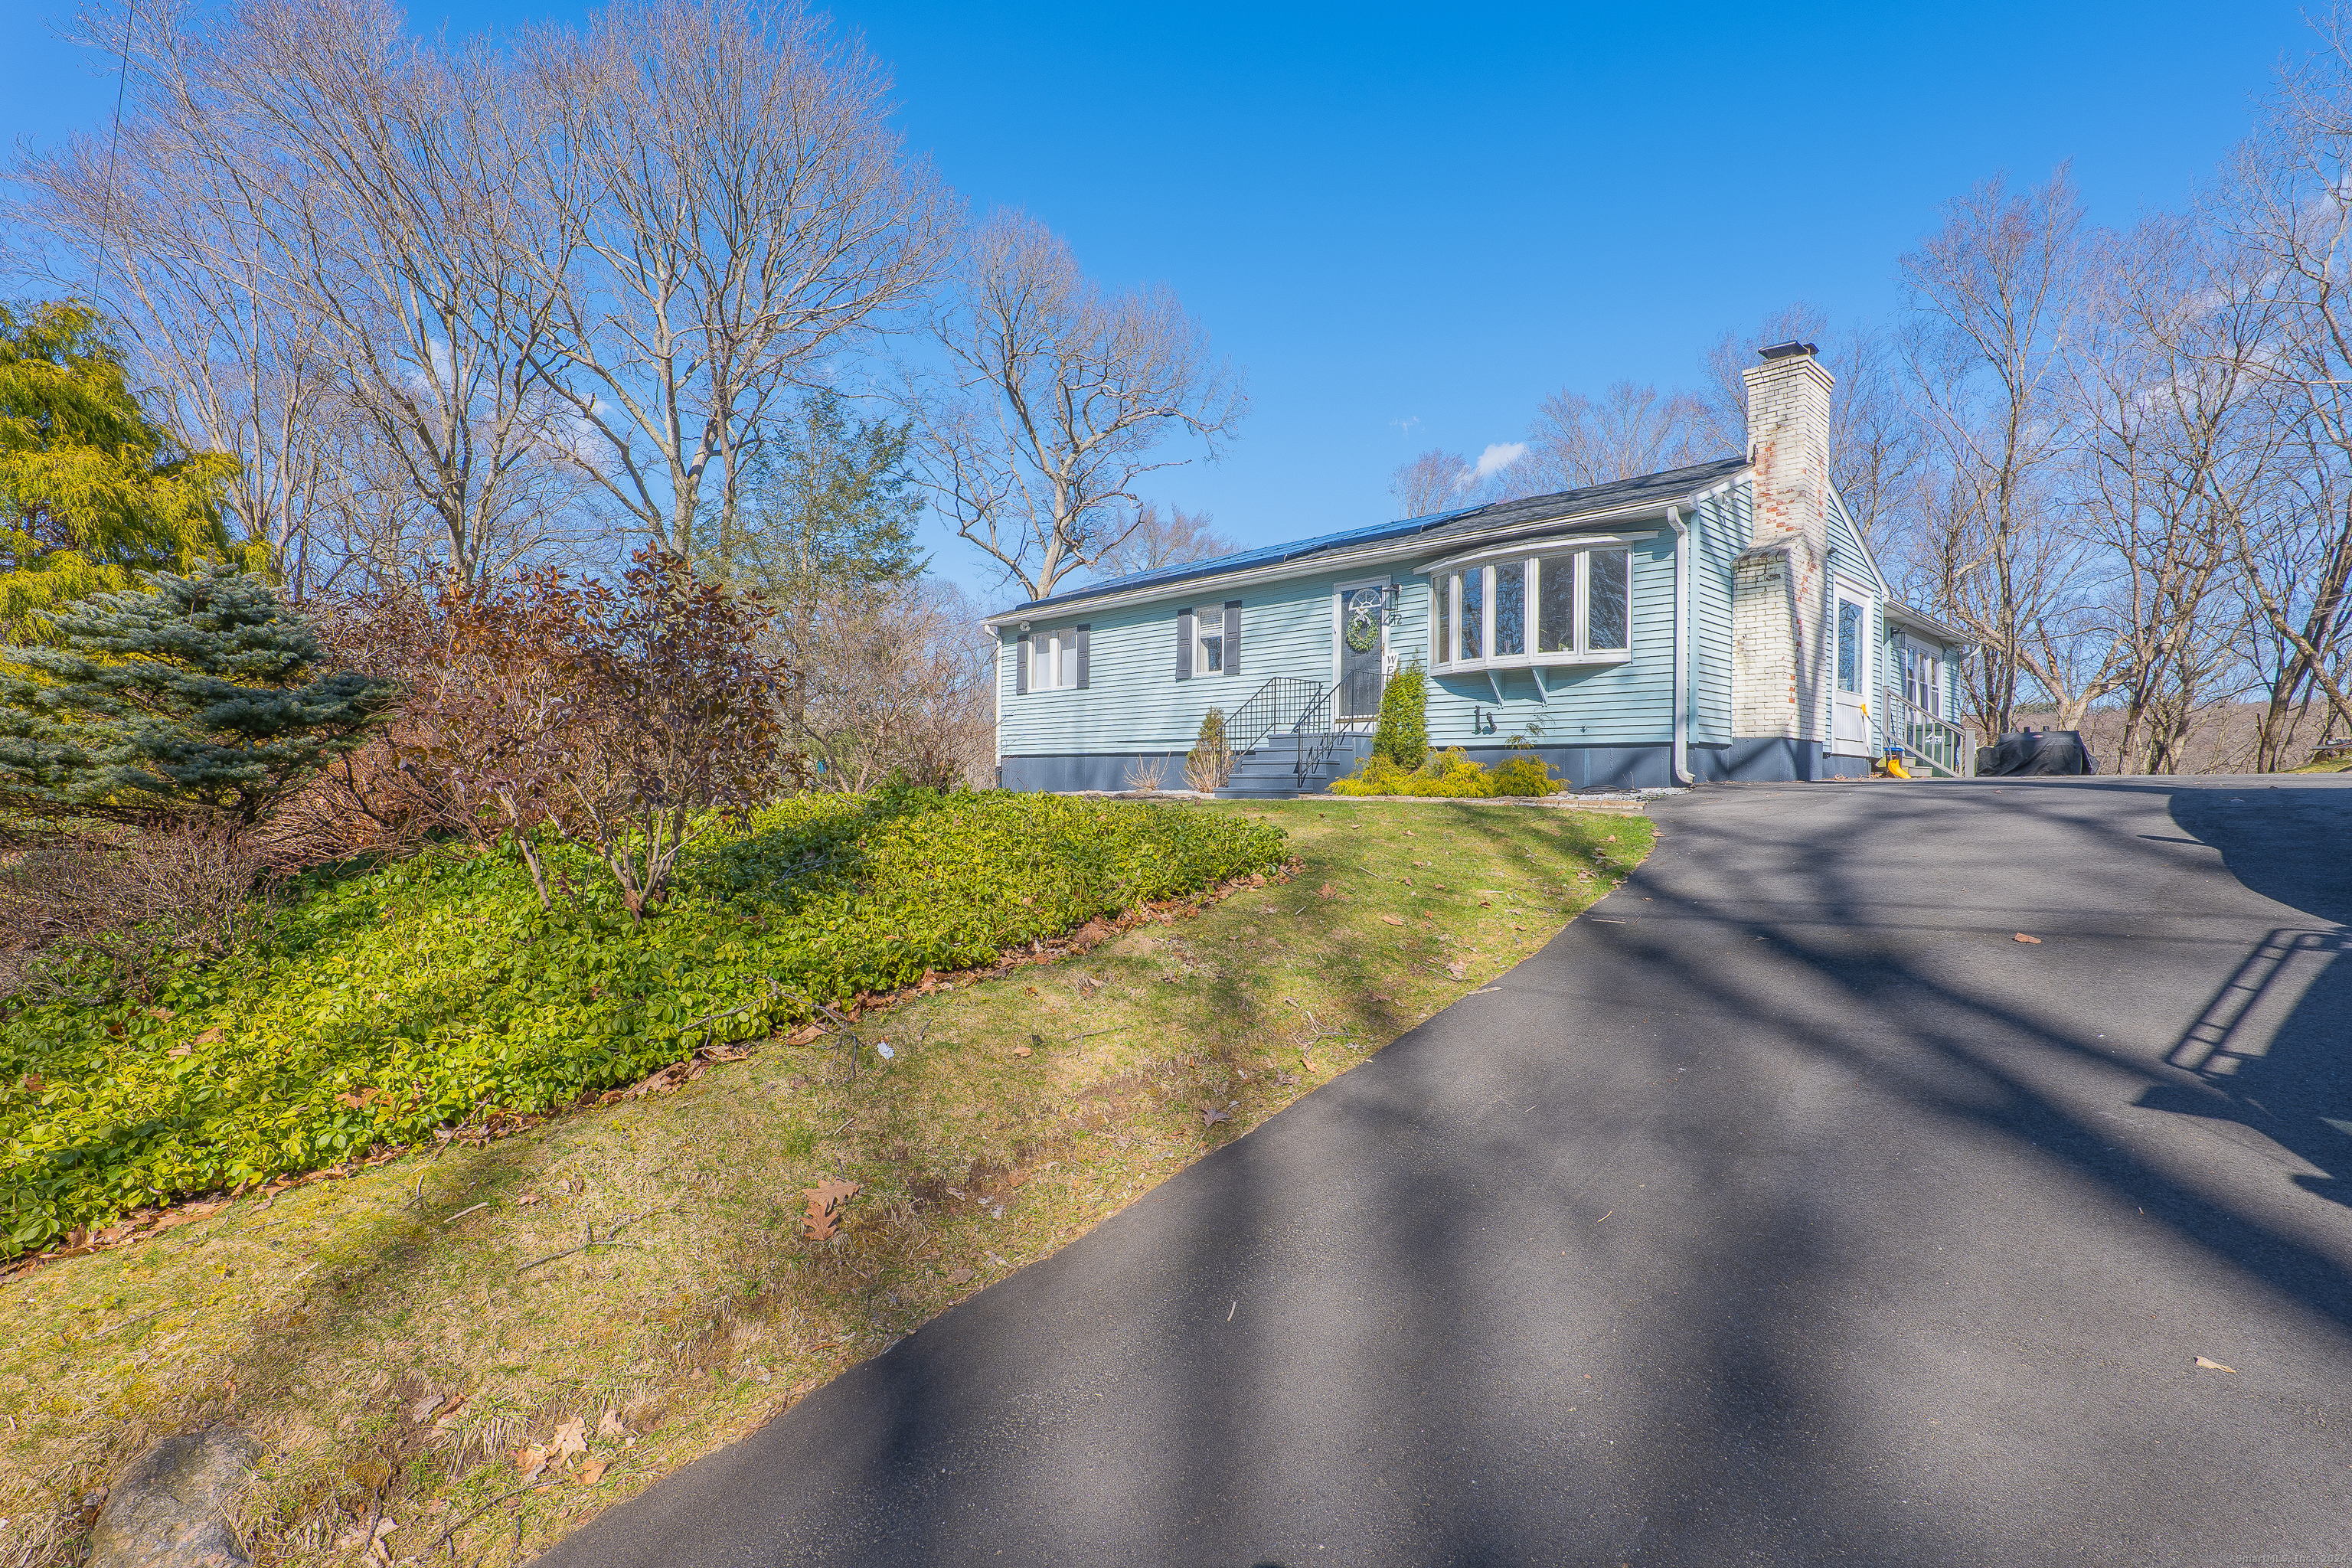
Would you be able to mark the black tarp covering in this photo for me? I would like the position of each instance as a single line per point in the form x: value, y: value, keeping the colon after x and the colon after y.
x: 2031, y: 752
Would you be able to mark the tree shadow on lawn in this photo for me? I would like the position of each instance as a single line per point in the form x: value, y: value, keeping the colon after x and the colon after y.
x: 1779, y: 1221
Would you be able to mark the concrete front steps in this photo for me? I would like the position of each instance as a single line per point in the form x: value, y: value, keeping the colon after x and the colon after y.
x: 1271, y: 773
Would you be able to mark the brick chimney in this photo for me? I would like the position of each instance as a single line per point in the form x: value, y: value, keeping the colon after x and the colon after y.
x: 1780, y: 583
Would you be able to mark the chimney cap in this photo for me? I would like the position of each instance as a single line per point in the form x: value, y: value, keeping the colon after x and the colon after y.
x: 1788, y: 351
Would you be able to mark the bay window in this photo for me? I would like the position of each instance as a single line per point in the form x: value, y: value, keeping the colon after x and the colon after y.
x: 1558, y: 608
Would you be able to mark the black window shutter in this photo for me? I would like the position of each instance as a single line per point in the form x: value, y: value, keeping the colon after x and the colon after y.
x: 1021, y: 665
x: 1184, y: 645
x: 1083, y: 639
x: 1233, y: 636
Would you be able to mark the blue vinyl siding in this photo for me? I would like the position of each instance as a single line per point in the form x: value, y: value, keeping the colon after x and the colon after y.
x: 1720, y: 529
x: 1134, y: 703
x: 1852, y: 558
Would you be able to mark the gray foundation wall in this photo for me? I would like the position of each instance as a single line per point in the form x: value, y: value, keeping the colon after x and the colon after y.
x: 1089, y: 770
x: 1769, y: 759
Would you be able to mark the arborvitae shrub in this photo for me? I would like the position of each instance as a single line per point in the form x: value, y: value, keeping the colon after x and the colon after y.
x: 1210, y: 763
x: 1403, y: 734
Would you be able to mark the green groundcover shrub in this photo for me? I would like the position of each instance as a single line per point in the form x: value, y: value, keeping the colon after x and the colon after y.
x: 1450, y: 773
x: 432, y: 991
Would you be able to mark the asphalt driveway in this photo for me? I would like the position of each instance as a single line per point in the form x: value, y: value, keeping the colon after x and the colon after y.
x: 1784, y: 1210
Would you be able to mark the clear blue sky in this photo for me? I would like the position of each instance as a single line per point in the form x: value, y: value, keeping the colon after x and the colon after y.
x: 1407, y: 225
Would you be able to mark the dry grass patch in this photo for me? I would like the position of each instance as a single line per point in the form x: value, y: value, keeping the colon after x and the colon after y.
x: 612, y: 1293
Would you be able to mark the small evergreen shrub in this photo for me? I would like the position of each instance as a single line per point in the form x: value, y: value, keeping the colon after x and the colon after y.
x: 1403, y: 734
x: 1210, y: 763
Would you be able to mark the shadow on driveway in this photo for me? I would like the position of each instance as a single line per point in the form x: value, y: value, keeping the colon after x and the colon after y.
x: 1792, y: 1212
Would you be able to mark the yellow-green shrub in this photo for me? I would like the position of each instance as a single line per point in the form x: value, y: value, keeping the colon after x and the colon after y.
x: 1452, y: 774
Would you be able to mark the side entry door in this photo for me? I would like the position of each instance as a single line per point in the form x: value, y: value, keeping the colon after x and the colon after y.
x: 1849, y: 714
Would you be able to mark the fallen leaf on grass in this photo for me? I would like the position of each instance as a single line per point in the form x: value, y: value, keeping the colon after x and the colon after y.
x: 727, y: 1053
x: 825, y: 1202
x: 610, y: 1425
x: 1457, y: 969
x: 2214, y: 1366
x: 1022, y: 1051
x: 570, y: 1439
x: 958, y: 1276
x: 425, y: 1409
x: 2021, y: 936
x: 1211, y: 1115
x: 1286, y: 1079
x: 526, y: 1199
x: 593, y: 1471
x: 807, y: 1033
x: 1394, y: 919
x: 530, y: 1461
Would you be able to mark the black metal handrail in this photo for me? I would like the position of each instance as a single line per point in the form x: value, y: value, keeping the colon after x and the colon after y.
x: 1276, y: 705
x: 1315, y: 735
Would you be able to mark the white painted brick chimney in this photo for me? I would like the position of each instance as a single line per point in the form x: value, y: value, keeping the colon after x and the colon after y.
x: 1780, y: 584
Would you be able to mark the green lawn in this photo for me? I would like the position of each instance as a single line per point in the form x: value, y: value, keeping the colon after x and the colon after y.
x: 1015, y: 1111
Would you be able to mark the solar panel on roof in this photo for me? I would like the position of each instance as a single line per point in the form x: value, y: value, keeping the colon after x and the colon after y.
x: 1562, y: 504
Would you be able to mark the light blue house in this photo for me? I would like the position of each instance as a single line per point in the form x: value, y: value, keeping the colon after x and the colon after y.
x: 1725, y: 621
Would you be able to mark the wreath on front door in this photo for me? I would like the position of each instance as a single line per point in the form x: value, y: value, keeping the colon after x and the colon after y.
x: 1363, y: 634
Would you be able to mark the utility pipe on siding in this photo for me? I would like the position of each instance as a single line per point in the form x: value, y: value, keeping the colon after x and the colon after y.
x: 1682, y: 645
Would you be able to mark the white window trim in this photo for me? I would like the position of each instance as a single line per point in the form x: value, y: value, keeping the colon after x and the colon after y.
x: 1445, y: 578
x: 1200, y: 665
x: 1846, y: 584
x: 1046, y: 647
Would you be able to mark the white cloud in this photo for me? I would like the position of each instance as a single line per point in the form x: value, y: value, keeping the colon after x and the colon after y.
x: 1497, y: 457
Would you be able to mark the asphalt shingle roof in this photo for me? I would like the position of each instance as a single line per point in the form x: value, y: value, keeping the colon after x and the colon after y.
x: 1560, y: 506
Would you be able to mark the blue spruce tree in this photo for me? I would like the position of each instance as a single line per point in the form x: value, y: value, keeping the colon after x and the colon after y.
x: 197, y: 695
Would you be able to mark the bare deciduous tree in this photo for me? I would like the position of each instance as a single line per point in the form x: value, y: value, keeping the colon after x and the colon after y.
x: 717, y: 201
x: 1061, y: 397
x: 404, y: 242
x: 2177, y: 444
x: 1435, y: 481
x: 1157, y: 539
x: 1994, y: 292
x: 2283, y: 204
x: 1629, y: 430
x: 898, y: 678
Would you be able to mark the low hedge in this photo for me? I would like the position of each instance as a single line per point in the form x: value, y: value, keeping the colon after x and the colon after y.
x: 381, y: 1006
x: 1450, y: 773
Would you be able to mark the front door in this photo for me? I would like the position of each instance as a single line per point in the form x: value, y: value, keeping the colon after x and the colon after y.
x: 1363, y: 638
x: 1850, y: 715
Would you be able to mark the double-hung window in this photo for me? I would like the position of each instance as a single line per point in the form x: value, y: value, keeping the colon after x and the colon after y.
x: 1923, y: 680
x: 1208, y: 641
x: 1570, y: 607
x: 1055, y: 660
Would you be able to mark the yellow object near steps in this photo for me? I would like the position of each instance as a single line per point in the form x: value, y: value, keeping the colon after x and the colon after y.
x: 1894, y: 769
